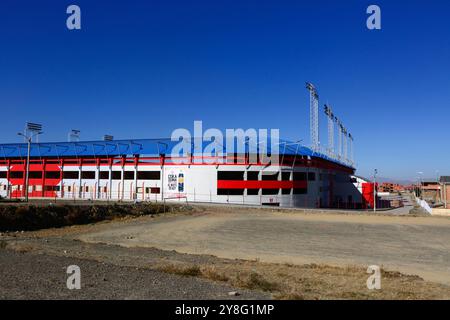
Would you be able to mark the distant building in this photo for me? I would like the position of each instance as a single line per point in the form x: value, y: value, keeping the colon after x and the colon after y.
x: 390, y: 187
x: 444, y: 182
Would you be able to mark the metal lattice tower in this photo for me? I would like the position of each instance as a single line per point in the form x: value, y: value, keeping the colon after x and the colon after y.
x: 345, y: 145
x: 350, y: 137
x: 340, y: 127
x: 330, y: 116
x: 313, y: 116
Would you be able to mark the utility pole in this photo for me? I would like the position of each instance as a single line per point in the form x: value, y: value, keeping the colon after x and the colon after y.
x: 27, y: 170
x: 375, y: 190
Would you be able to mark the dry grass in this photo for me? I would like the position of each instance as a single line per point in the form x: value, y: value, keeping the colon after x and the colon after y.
x: 20, y: 247
x: 29, y: 217
x: 256, y: 281
x: 312, y: 281
x: 3, y: 244
x: 182, y: 270
x: 210, y: 272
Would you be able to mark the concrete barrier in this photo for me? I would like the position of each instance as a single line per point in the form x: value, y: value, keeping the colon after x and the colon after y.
x: 424, y: 205
x: 441, y: 212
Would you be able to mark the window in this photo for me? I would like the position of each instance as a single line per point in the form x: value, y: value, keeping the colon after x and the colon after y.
x: 116, y: 175
x: 70, y: 175
x: 35, y: 175
x: 285, y: 176
x: 252, y: 175
x: 148, y: 175
x: 270, y: 191
x: 230, y: 192
x: 104, y: 175
x: 285, y: 191
x: 16, y: 174
x: 311, y: 176
x: 300, y: 191
x: 230, y: 175
x: 128, y: 175
x: 152, y: 190
x: 252, y: 192
x: 3, y: 174
x: 52, y: 175
x: 270, y: 177
x: 299, y: 176
x: 88, y: 175
x: 51, y: 188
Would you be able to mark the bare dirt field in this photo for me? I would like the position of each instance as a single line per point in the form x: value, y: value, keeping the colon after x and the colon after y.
x: 264, y: 253
x: 415, y: 245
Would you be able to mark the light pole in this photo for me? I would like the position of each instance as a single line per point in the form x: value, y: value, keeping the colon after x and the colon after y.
x: 421, y: 183
x: 27, y: 172
x: 375, y: 190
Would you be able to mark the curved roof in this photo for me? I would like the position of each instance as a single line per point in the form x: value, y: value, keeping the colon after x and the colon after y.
x: 143, y: 147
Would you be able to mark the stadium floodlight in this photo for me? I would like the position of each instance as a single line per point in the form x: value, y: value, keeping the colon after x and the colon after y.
x: 313, y: 115
x: 28, y: 138
x: 33, y: 128
x: 74, y: 135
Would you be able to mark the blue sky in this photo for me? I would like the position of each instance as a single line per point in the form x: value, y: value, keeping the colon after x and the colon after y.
x: 139, y: 69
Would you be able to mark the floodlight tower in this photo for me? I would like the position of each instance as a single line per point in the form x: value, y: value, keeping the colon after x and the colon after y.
x: 74, y: 135
x: 345, y: 144
x: 32, y: 129
x: 350, y: 140
x: 313, y: 116
x: 340, y: 130
x: 330, y: 116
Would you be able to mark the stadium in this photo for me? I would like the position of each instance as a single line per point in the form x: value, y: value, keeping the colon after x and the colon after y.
x: 144, y: 170
x: 150, y: 170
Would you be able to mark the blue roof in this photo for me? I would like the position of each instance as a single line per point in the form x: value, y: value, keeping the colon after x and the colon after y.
x: 143, y: 147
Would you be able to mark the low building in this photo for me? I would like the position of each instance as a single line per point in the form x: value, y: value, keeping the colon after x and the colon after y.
x: 444, y: 182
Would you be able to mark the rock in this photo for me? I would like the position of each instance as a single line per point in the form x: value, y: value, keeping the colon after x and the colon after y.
x: 233, y: 293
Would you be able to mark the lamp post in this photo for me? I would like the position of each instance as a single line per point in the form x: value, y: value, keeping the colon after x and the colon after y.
x: 27, y: 170
x: 421, y: 184
x: 375, y: 190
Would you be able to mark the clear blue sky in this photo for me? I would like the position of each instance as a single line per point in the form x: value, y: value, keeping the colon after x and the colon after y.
x: 139, y: 69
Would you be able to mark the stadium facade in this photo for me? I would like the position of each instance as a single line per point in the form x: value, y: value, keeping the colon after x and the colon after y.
x: 145, y: 170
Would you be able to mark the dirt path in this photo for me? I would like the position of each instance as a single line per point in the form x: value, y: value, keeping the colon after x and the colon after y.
x: 413, y: 245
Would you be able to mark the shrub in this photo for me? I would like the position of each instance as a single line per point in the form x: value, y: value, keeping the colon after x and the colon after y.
x: 30, y: 217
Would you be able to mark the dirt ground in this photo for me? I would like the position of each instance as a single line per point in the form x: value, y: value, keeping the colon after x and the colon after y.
x: 414, y: 245
x: 282, y: 254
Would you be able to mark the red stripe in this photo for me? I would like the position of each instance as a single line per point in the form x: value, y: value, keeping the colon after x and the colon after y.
x: 254, y: 184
